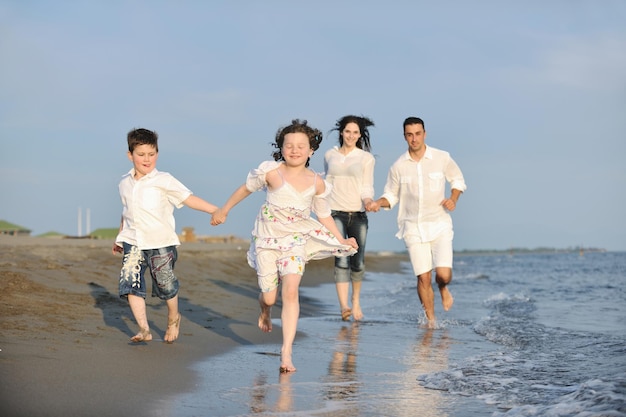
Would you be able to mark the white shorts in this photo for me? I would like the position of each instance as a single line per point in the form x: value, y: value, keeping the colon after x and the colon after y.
x: 428, y: 255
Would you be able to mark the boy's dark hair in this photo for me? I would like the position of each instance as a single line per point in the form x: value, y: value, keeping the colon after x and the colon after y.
x: 413, y: 121
x: 296, y: 126
x: 141, y: 136
x: 363, y: 123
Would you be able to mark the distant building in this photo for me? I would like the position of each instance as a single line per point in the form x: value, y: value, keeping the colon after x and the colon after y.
x: 7, y: 228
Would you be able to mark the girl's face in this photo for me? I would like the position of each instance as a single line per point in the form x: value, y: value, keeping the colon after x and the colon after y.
x: 144, y: 158
x: 350, y: 134
x: 296, y: 149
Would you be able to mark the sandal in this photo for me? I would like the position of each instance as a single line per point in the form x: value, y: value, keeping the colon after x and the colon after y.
x: 172, y: 324
x: 345, y: 314
x: 144, y: 335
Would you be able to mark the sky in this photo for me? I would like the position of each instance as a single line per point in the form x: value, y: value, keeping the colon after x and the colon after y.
x: 529, y: 98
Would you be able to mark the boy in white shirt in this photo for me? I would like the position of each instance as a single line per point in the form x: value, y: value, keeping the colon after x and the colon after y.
x: 147, y: 235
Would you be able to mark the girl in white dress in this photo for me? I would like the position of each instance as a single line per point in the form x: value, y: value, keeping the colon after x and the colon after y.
x: 285, y: 236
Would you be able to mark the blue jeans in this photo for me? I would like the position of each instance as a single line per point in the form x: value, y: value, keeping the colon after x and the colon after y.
x: 351, y: 224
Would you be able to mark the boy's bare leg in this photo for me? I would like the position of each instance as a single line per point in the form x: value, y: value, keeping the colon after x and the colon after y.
x: 289, y: 319
x: 173, y: 320
x: 427, y: 297
x: 266, y: 301
x: 356, y: 300
x: 138, y: 308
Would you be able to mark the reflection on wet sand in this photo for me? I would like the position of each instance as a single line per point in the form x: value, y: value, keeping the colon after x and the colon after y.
x: 259, y: 401
x: 344, y: 391
x: 342, y: 383
x: 429, y: 354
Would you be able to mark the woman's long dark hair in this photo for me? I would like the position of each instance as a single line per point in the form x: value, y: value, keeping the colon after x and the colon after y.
x: 363, y: 123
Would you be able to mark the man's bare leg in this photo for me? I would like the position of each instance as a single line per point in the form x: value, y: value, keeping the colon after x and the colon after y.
x: 427, y: 297
x: 138, y: 308
x: 443, y: 278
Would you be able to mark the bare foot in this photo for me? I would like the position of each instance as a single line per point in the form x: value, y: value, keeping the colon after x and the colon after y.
x: 173, y: 328
x: 446, y: 298
x: 356, y: 311
x: 345, y: 314
x: 265, y: 319
x: 144, y: 335
x: 285, y: 363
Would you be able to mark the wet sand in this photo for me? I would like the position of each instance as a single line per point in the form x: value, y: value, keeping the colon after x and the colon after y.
x: 64, y: 346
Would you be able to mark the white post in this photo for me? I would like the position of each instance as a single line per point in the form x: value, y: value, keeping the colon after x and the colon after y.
x: 88, y: 221
x: 80, y: 220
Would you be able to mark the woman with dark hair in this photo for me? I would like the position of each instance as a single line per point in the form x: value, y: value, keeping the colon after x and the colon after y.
x: 350, y: 169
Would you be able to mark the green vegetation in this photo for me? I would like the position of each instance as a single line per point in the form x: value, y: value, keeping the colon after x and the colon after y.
x: 107, y: 233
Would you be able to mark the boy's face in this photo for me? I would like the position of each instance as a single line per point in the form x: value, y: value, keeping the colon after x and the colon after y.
x: 144, y: 159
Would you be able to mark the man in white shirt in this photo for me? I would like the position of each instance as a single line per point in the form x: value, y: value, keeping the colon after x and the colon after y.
x: 417, y: 183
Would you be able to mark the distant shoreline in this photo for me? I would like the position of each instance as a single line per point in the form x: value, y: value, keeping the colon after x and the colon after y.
x: 225, y: 241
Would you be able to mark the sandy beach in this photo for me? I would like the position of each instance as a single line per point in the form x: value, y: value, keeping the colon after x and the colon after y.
x: 65, y: 347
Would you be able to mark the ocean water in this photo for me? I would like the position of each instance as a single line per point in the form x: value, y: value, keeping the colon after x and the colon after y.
x: 528, y: 335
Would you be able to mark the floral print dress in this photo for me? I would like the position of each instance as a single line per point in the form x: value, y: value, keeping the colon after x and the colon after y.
x: 284, y: 222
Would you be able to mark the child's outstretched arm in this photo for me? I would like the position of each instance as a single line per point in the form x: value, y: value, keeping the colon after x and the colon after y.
x: 219, y: 216
x: 199, y: 204
x: 321, y: 208
x: 330, y: 224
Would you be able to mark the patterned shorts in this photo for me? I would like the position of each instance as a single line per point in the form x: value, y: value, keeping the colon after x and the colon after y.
x: 160, y: 262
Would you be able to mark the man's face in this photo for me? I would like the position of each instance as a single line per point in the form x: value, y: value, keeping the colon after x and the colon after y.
x: 415, y: 136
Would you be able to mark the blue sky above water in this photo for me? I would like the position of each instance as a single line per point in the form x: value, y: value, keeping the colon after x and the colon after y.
x: 528, y: 97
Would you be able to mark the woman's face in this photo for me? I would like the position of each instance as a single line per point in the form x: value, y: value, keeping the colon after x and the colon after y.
x: 351, y: 134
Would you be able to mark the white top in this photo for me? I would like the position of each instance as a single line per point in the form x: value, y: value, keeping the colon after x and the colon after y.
x: 419, y: 188
x: 148, y: 209
x: 352, y: 177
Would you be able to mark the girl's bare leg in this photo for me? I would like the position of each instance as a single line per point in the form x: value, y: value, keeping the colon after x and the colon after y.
x: 138, y: 308
x: 266, y: 301
x: 289, y: 318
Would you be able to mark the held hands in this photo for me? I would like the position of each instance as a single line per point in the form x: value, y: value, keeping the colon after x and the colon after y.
x: 218, y: 217
x: 372, y: 206
x: 351, y: 242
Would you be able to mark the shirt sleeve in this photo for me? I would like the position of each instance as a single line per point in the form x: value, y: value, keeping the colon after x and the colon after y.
x: 256, y: 177
x: 177, y: 192
x: 367, y: 187
x: 454, y: 176
x: 320, y: 204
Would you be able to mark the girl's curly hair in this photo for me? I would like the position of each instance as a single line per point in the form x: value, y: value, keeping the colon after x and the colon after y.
x: 297, y: 126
